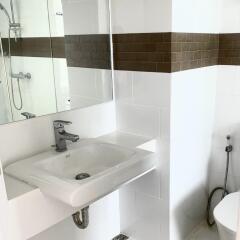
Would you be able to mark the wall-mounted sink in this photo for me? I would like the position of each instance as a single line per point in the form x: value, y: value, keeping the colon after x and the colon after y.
x: 103, y: 167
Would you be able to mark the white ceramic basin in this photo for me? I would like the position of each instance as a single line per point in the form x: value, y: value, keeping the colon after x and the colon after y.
x: 108, y: 165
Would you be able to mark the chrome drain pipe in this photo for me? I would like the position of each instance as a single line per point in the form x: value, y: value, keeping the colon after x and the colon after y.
x: 81, y: 222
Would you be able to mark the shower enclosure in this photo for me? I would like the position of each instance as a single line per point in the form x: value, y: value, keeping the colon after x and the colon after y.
x: 47, y: 65
x: 24, y: 67
x: 5, y: 113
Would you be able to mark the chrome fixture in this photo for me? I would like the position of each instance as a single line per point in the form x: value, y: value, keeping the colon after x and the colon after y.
x: 28, y: 115
x: 121, y: 237
x: 61, y: 135
x: 13, y: 26
x: 228, y: 150
x: 59, y: 13
x: 16, y: 28
x: 22, y: 75
x: 83, y: 221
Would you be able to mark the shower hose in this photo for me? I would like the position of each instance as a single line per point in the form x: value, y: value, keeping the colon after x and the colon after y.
x: 224, y: 190
x: 11, y: 78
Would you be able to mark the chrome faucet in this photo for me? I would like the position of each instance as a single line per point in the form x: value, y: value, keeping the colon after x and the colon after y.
x: 28, y: 115
x: 61, y: 136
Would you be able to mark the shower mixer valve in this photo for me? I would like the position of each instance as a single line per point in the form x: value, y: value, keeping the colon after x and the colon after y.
x: 229, y: 147
x: 22, y: 75
x: 16, y: 28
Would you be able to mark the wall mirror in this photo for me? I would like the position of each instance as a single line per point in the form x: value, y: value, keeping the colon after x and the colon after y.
x: 54, y: 56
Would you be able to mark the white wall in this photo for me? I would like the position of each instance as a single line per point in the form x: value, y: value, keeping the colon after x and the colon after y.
x: 227, y: 120
x: 139, y: 16
x: 192, y: 120
x: 85, y: 86
x: 192, y: 117
x: 196, y: 16
x: 89, y: 86
x: 226, y: 114
x: 144, y: 103
x: 33, y: 19
x: 86, y: 17
x: 61, y: 84
x: 38, y: 93
x: 104, y: 223
x: 230, y: 19
x: 142, y: 108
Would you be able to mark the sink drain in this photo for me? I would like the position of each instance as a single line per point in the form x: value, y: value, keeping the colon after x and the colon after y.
x: 82, y: 176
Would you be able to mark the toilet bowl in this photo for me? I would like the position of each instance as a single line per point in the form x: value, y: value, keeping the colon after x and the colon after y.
x: 226, y: 216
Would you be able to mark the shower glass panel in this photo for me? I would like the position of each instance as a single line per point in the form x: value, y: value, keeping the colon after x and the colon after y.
x: 5, y: 108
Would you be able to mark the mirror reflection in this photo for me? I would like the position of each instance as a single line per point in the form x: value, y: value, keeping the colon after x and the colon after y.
x: 54, y: 56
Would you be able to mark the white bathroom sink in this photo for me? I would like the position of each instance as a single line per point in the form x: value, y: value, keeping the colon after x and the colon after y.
x: 108, y: 165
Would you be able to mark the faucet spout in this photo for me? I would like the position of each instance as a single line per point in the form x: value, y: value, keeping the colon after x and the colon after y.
x: 69, y: 136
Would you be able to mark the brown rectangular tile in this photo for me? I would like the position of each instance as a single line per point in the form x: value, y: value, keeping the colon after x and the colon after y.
x: 229, y: 49
x: 193, y: 50
x: 170, y: 52
x: 30, y: 47
x: 90, y: 51
x: 142, y: 52
x: 58, y: 47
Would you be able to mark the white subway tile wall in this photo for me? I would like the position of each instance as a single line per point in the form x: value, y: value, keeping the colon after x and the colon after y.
x: 192, y: 117
x: 227, y: 118
x: 38, y: 92
x: 140, y: 16
x: 142, y: 99
x: 86, y: 17
x: 198, y: 17
x: 33, y: 19
x: 143, y: 108
x: 88, y: 85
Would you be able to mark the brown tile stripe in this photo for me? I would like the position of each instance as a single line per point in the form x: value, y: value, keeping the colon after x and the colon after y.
x: 30, y: 47
x: 58, y: 47
x: 90, y: 51
x: 193, y: 50
x: 149, y: 52
x: 164, y: 52
x: 229, y: 49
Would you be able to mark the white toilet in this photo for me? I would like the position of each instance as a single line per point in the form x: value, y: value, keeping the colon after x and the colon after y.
x: 226, y: 216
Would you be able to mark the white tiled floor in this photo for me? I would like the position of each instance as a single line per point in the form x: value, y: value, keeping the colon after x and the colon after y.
x: 203, y: 232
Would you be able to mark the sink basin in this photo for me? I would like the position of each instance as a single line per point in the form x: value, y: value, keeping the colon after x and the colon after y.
x: 100, y: 168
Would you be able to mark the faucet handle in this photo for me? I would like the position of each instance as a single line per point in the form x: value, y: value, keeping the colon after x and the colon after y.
x: 60, y: 123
